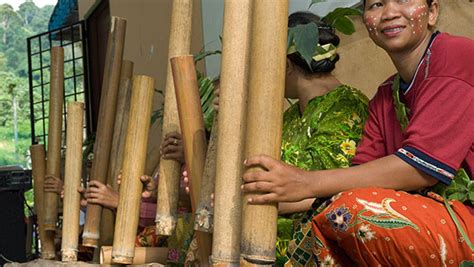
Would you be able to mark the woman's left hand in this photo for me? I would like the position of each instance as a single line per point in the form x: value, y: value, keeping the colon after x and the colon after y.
x: 172, y: 147
x: 277, y: 182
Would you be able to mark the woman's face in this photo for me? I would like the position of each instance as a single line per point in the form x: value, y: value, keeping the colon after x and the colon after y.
x: 399, y: 25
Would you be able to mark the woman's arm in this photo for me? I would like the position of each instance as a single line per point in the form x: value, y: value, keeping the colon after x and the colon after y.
x: 292, y: 207
x: 284, y: 183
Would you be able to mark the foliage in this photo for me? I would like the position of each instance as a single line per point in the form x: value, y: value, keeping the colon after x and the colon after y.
x: 15, y: 27
x: 206, y: 89
x: 306, y: 37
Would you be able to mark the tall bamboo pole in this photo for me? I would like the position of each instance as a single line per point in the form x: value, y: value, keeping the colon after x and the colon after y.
x: 194, y: 136
x: 105, y: 124
x: 133, y: 167
x: 204, y: 214
x: 72, y: 181
x: 53, y: 165
x: 231, y: 136
x: 38, y: 163
x: 264, y: 122
x: 118, y: 144
x: 168, y: 184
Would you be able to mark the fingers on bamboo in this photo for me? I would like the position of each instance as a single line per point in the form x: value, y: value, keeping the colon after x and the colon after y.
x: 170, y: 170
x: 264, y: 120
x: 106, y: 119
x: 133, y: 167
x: 72, y: 181
x: 38, y: 162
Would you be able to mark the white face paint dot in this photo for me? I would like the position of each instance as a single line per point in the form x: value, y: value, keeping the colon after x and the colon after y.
x: 397, y: 194
x: 443, y: 221
x: 374, y: 193
x: 411, y: 247
x: 387, y: 239
x: 451, y: 261
x: 424, y: 206
x: 404, y: 208
x: 432, y: 256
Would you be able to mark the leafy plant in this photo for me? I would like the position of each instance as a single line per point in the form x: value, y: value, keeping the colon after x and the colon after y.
x: 206, y: 92
x: 306, y: 37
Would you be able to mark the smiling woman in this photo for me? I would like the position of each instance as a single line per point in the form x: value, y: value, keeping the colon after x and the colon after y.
x: 386, y: 210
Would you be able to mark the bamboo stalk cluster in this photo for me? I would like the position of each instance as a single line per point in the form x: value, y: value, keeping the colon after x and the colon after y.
x: 249, y: 123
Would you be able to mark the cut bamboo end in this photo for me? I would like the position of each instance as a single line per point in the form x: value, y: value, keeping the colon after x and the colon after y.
x: 165, y: 224
x: 204, y: 219
x: 122, y: 259
x: 249, y: 262
x: 223, y: 263
x: 48, y: 255
x: 90, y: 242
x: 69, y: 255
x: 143, y: 255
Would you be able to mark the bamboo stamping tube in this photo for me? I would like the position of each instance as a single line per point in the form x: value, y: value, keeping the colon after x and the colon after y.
x: 53, y: 165
x: 133, y: 167
x: 170, y: 170
x: 38, y: 163
x: 143, y: 255
x: 264, y: 121
x: 105, y: 124
x: 118, y: 144
x: 204, y: 215
x: 194, y: 136
x: 72, y: 181
x: 231, y: 136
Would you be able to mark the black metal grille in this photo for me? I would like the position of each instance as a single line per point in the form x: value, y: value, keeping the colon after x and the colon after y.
x: 73, y: 39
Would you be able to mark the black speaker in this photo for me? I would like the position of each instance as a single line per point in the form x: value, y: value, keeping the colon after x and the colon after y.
x: 12, y: 226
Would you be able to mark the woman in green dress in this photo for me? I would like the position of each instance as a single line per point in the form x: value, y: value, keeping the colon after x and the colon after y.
x: 320, y: 131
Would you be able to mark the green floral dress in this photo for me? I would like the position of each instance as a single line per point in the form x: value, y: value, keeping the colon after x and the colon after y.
x: 325, y: 136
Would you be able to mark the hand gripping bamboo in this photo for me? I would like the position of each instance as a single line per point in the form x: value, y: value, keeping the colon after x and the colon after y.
x: 118, y: 144
x: 231, y: 136
x: 133, y: 167
x: 170, y: 170
x: 38, y: 163
x: 105, y: 124
x: 72, y: 181
x: 264, y: 122
x: 194, y: 137
x: 53, y: 164
x: 204, y: 215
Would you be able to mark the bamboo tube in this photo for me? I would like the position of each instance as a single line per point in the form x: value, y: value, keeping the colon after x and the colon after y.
x: 53, y: 165
x: 264, y: 122
x: 194, y: 136
x: 170, y: 170
x: 231, y: 136
x: 143, y: 255
x: 38, y: 163
x: 118, y: 144
x: 133, y: 167
x: 72, y: 181
x: 105, y: 124
x: 204, y: 214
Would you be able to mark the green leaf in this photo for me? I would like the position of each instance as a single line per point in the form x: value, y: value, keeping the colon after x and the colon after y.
x: 344, y: 25
x: 467, y: 264
x: 202, y: 54
x: 315, y: 2
x: 391, y: 223
x: 305, y: 38
x: 285, y: 228
x: 332, y: 16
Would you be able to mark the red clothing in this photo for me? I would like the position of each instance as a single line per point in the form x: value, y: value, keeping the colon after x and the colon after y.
x: 439, y: 137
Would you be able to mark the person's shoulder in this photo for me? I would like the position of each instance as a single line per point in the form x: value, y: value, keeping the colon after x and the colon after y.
x: 452, y: 57
x: 352, y: 93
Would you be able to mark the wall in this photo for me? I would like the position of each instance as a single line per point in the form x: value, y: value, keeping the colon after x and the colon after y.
x: 146, y: 41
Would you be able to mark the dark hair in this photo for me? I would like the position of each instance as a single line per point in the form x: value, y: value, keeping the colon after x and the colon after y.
x: 427, y: 1
x: 327, y: 35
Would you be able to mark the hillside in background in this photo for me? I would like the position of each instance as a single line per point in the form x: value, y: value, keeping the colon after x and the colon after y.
x: 15, y: 27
